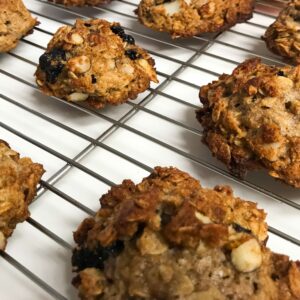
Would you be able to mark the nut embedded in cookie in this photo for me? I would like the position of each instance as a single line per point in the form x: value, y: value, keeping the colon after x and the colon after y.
x: 282, y: 37
x: 251, y: 120
x: 94, y: 61
x: 169, y: 238
x: 15, y: 22
x: 185, y: 18
x: 18, y: 180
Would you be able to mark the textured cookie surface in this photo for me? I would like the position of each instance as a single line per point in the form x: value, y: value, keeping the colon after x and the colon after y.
x: 251, y: 120
x: 282, y: 37
x: 80, y: 2
x: 170, y: 238
x: 94, y: 61
x: 15, y: 22
x: 184, y: 18
x: 18, y: 180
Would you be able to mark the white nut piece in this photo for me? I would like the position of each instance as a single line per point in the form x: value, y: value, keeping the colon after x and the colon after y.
x: 73, y: 38
x: 204, y: 219
x: 172, y: 7
x: 79, y: 64
x: 247, y: 257
x: 76, y: 39
x: 77, y: 97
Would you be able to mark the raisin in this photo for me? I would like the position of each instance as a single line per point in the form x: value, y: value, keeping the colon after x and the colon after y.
x: 128, y: 38
x: 85, y: 258
x: 52, y: 63
x: 239, y: 228
x: 280, y: 73
x: 87, y: 25
x: 132, y: 54
x: 117, y: 29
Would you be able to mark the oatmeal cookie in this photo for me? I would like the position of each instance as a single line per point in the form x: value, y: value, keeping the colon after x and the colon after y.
x: 15, y: 22
x: 282, y: 37
x: 18, y: 180
x: 251, y: 119
x: 185, y: 18
x: 80, y: 2
x: 169, y: 238
x: 94, y: 61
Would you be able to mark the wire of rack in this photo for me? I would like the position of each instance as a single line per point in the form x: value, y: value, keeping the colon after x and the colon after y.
x: 129, y: 140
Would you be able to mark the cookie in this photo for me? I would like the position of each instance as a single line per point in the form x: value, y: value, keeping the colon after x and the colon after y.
x: 169, y: 238
x: 95, y: 62
x: 15, y: 22
x: 18, y: 180
x: 185, y: 18
x: 282, y: 37
x: 251, y: 120
x: 80, y: 2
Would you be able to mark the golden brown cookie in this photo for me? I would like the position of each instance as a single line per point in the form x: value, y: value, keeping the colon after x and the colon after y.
x: 96, y: 62
x: 169, y: 238
x: 251, y: 119
x: 80, y: 2
x: 15, y: 22
x: 185, y: 18
x: 282, y: 37
x: 18, y: 180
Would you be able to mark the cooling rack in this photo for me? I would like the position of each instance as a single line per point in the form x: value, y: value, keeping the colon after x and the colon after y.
x: 86, y: 151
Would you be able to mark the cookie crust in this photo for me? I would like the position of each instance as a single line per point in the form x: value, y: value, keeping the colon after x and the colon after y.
x: 15, y: 22
x: 282, y: 37
x: 251, y: 120
x: 185, y: 18
x: 18, y: 180
x: 95, y: 62
x: 170, y: 238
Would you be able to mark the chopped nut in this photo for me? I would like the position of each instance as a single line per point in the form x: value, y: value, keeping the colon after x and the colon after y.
x: 79, y: 64
x: 172, y: 7
x: 77, y: 97
x: 202, y: 218
x: 247, y: 257
x: 39, y: 82
x: 74, y: 38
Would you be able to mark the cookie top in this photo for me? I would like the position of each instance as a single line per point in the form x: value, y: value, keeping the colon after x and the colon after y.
x: 18, y: 180
x: 94, y: 61
x: 282, y: 37
x: 185, y: 18
x: 251, y: 119
x: 170, y: 238
x: 15, y: 22
x: 80, y: 2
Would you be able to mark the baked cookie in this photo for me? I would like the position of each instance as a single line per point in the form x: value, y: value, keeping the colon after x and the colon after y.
x: 15, y: 22
x: 169, y: 238
x: 94, y: 61
x: 80, y: 2
x: 18, y: 180
x: 251, y: 120
x: 185, y: 18
x: 282, y: 37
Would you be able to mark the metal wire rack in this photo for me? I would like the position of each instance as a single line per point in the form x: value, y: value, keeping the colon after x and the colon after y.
x: 86, y: 151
